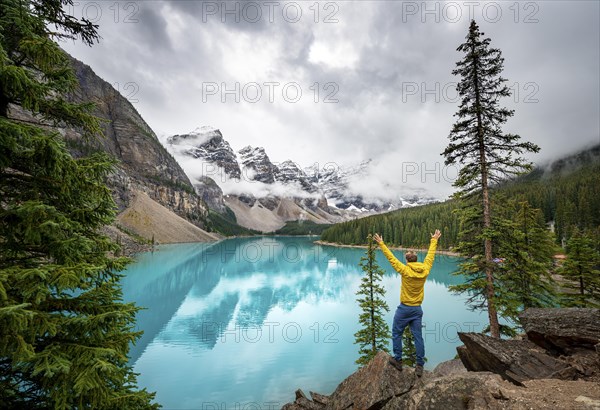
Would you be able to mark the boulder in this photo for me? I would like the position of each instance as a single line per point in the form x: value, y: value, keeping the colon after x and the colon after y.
x: 452, y: 392
x: 454, y: 366
x: 562, y: 330
x: 372, y: 386
x: 319, y: 398
x: 303, y: 403
x: 466, y: 356
x: 514, y: 360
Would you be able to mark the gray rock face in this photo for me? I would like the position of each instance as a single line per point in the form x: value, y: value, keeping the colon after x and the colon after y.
x: 256, y: 165
x: 288, y: 172
x: 127, y: 136
x: 144, y: 164
x: 209, y: 145
x: 561, y: 330
x: 454, y: 366
x: 514, y: 360
x: 370, y: 387
x: 269, y: 202
x: 210, y: 192
x: 454, y: 392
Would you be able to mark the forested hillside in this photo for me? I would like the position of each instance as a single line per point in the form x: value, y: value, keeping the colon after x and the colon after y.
x: 405, y: 227
x: 566, y: 191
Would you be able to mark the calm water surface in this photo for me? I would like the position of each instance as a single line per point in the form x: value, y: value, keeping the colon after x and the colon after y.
x: 242, y: 323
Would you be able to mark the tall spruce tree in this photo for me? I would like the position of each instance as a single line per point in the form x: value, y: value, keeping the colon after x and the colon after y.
x: 582, y: 271
x: 525, y: 248
x: 485, y: 153
x: 64, y: 330
x: 375, y: 332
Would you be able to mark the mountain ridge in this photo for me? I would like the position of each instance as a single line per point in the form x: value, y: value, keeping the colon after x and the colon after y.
x: 263, y: 195
x: 143, y: 164
x: 321, y: 194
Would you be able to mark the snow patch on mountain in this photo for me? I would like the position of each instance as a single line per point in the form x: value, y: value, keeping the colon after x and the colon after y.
x: 250, y: 173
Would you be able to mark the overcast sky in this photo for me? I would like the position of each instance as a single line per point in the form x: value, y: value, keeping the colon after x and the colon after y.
x: 342, y: 81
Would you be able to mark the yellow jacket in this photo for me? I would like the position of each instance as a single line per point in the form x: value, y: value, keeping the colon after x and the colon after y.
x: 414, y: 274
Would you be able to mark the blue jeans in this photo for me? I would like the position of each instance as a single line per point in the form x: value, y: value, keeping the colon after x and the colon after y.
x: 408, y: 316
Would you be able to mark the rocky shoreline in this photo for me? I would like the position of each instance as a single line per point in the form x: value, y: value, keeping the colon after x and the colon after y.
x: 555, y: 365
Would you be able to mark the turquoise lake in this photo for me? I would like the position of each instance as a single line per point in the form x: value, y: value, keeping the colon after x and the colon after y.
x: 243, y: 323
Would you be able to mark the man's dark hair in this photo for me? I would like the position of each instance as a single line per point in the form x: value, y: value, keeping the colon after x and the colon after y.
x: 410, y: 257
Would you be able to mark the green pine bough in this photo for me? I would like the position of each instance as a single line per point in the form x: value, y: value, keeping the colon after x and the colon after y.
x: 65, y: 331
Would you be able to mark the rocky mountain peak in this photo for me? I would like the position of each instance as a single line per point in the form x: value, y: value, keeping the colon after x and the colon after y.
x: 290, y: 172
x: 257, y: 165
x: 207, y: 143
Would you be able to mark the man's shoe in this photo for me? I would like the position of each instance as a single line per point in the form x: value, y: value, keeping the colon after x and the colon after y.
x: 419, y: 370
x: 396, y: 363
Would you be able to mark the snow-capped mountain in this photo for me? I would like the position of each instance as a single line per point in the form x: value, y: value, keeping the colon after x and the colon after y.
x: 335, y: 180
x: 207, y: 143
x: 264, y: 195
x: 256, y: 164
x: 290, y: 172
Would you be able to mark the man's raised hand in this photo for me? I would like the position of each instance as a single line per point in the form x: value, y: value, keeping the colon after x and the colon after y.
x: 377, y: 238
x: 437, y: 234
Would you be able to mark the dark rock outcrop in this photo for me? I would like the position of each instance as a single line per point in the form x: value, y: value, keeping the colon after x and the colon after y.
x: 380, y: 386
x: 514, y: 360
x: 454, y: 366
x: 562, y: 330
x: 256, y: 165
x: 370, y: 387
x: 208, y: 144
x: 247, y: 199
x: 453, y: 392
x: 289, y: 172
x: 210, y: 193
x: 269, y: 202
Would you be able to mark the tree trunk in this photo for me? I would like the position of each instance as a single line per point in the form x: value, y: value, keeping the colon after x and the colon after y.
x: 492, y: 314
x: 487, y: 219
x: 3, y: 106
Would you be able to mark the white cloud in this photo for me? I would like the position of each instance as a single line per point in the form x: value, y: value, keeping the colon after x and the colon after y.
x: 370, y: 55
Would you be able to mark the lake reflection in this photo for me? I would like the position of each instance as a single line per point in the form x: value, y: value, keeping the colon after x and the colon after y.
x: 244, y: 322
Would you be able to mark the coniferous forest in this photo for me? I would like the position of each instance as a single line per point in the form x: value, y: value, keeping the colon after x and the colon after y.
x: 565, y: 191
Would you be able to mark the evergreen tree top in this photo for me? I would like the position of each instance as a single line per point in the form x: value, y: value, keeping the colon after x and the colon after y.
x: 35, y: 72
x: 64, y: 330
